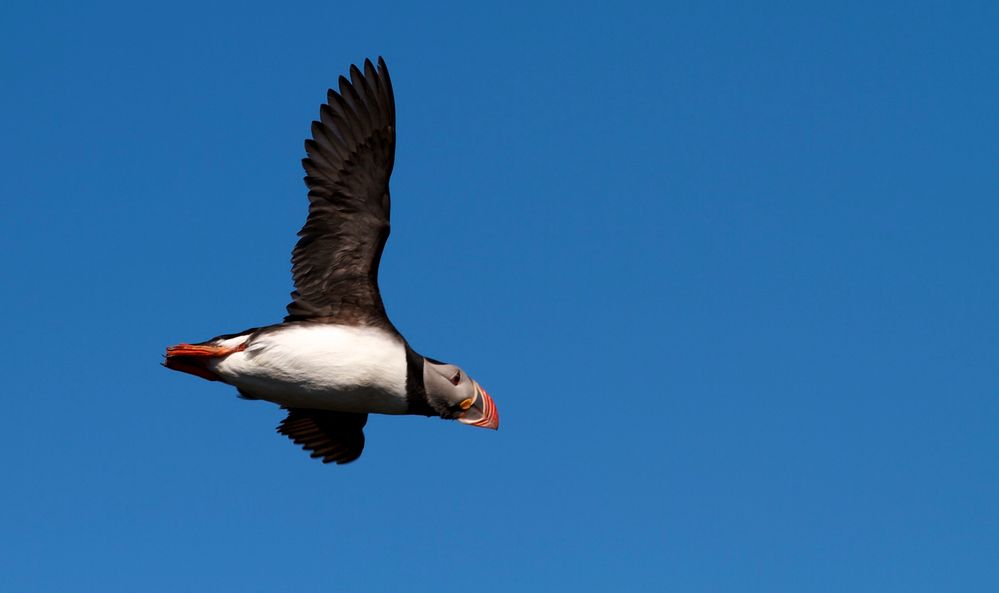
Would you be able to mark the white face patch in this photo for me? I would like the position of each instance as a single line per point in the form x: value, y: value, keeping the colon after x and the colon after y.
x: 331, y: 367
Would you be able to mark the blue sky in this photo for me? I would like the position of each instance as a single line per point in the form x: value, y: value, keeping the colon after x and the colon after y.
x: 728, y: 269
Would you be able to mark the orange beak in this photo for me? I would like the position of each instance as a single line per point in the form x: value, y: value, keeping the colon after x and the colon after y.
x: 482, y: 412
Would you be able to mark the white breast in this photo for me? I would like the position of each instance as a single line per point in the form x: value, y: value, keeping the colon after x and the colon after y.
x: 332, y: 367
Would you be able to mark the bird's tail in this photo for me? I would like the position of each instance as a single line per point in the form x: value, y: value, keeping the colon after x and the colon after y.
x: 194, y: 358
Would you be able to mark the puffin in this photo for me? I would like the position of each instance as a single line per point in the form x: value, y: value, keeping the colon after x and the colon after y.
x: 336, y: 357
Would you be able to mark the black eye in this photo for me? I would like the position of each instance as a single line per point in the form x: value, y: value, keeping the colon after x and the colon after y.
x: 456, y: 378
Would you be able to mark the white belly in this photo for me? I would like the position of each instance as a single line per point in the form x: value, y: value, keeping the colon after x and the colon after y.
x: 329, y: 367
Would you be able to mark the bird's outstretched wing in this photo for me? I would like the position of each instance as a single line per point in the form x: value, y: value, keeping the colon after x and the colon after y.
x: 350, y: 158
x: 331, y: 436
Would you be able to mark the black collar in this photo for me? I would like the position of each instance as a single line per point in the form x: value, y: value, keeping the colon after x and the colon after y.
x: 416, y: 390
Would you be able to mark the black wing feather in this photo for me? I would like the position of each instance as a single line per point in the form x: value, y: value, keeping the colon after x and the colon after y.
x: 332, y: 436
x: 350, y: 159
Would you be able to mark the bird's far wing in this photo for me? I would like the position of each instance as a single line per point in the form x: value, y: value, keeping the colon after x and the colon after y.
x: 350, y: 157
x: 332, y: 436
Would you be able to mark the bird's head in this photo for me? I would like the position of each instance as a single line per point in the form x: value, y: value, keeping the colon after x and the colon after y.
x: 457, y: 396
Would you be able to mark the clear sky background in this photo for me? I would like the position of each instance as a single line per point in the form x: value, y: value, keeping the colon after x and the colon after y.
x: 728, y: 269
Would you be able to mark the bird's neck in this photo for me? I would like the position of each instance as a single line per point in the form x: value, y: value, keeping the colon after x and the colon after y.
x: 416, y: 390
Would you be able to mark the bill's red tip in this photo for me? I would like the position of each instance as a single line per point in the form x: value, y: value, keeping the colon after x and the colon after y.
x: 490, y: 415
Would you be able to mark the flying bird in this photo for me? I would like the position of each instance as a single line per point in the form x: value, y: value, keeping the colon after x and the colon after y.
x: 336, y: 357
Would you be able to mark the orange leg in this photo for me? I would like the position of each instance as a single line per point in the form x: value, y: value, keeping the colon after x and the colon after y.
x: 202, y: 350
x: 194, y: 358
